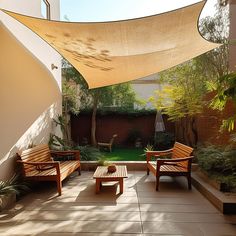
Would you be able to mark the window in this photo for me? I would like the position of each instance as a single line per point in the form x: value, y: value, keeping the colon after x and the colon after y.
x: 45, y: 9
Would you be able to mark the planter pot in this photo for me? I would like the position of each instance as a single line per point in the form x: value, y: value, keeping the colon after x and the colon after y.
x: 7, y: 200
x: 223, y: 187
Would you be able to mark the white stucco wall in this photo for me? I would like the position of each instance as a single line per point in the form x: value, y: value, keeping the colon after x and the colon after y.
x: 30, y: 91
x: 145, y: 88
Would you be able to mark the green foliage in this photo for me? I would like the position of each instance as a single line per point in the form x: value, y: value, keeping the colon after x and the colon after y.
x: 163, y: 141
x: 102, y: 161
x: 70, y: 101
x: 219, y: 163
x: 149, y: 147
x: 182, y: 93
x: 130, y: 112
x: 57, y: 143
x: 225, y: 90
x: 215, y: 28
x: 121, y: 95
x: 88, y: 153
x: 124, y: 154
x: 14, y: 185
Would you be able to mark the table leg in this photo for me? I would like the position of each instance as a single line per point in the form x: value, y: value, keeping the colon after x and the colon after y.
x: 98, y: 185
x: 121, y: 182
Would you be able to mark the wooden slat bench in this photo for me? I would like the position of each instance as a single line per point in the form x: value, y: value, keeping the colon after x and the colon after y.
x: 38, y: 165
x: 179, y: 163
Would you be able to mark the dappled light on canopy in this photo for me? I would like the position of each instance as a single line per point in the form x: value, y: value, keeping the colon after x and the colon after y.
x: 108, y: 53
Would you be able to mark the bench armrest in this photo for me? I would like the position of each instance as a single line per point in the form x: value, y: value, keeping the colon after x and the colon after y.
x: 176, y: 160
x: 156, y: 154
x: 65, y: 153
x: 39, y: 163
x: 54, y: 164
x: 173, y: 162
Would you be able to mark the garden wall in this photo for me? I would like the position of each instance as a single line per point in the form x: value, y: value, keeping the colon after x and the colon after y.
x: 128, y: 128
x: 209, y: 122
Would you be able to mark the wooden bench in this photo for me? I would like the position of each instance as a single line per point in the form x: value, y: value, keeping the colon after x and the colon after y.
x: 38, y: 165
x: 177, y: 163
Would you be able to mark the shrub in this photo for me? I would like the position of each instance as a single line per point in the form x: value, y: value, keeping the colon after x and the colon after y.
x: 13, y: 185
x: 163, y: 140
x: 217, y: 160
x: 219, y: 163
x: 88, y: 153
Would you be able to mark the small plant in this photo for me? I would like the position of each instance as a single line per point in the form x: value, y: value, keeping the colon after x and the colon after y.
x: 14, y: 185
x: 102, y: 161
x: 57, y: 143
x: 149, y: 147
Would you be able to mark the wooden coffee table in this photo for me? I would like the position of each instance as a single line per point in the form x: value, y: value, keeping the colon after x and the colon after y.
x: 101, y: 175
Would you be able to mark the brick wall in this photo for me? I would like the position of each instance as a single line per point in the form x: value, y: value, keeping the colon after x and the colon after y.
x: 122, y: 125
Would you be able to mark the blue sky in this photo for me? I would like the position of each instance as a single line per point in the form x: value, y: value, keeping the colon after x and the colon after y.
x: 109, y: 10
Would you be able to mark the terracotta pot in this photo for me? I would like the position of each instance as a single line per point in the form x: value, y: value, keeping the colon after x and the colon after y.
x: 111, y: 168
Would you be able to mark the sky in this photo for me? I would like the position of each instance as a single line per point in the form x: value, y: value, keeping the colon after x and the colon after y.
x: 112, y: 10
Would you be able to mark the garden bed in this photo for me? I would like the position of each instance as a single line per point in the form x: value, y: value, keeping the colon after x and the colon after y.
x: 225, y: 202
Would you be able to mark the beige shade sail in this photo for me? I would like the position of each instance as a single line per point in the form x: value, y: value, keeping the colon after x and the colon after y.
x: 109, y: 53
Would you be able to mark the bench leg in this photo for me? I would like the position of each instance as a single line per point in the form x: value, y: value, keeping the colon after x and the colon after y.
x: 59, y: 187
x: 79, y: 170
x: 189, y: 182
x: 148, y: 171
x: 121, y: 182
x: 157, y: 182
x: 98, y: 185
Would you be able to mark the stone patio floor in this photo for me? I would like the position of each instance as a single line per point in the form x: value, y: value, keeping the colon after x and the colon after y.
x: 140, y: 210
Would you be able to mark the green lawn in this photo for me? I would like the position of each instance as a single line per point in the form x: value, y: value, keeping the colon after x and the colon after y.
x: 125, y: 154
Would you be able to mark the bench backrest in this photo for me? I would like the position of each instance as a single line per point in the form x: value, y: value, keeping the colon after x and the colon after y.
x: 40, y: 153
x: 180, y: 150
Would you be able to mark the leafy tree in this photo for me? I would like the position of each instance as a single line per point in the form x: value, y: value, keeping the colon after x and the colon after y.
x: 120, y: 95
x: 182, y: 98
x: 215, y: 29
x: 225, y: 90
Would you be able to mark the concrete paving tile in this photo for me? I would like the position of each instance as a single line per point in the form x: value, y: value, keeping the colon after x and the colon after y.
x: 218, y: 229
x: 183, y: 217
x: 171, y: 200
x: 127, y: 216
x: 173, y: 211
x: 178, y: 208
x: 172, y: 228
x: 37, y: 227
x: 86, y: 207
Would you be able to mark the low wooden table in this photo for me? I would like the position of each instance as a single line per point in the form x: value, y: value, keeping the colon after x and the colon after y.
x: 102, y: 175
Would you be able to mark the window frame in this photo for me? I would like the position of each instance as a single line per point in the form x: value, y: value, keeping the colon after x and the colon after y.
x: 48, y: 12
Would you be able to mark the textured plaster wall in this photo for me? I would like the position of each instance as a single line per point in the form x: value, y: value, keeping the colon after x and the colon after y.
x: 30, y: 92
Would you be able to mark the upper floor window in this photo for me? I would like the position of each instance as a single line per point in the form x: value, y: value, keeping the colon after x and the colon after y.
x: 45, y: 9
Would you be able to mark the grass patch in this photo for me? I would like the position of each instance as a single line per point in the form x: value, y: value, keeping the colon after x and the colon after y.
x: 125, y: 154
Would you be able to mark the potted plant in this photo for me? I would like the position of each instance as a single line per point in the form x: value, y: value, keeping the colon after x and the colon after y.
x: 9, y: 190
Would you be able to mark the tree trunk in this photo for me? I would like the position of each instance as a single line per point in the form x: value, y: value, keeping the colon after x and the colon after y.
x: 93, y: 120
x: 66, y: 131
x: 191, y: 132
